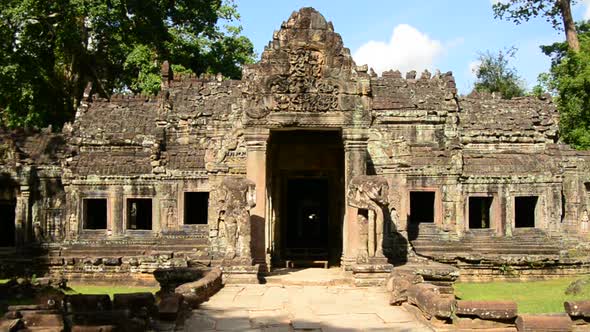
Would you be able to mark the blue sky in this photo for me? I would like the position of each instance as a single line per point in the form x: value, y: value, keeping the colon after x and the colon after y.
x: 433, y: 34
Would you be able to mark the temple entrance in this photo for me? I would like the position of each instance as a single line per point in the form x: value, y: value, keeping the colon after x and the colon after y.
x: 307, y: 196
x: 307, y: 218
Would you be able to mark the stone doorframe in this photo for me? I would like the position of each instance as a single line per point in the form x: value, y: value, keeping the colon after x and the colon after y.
x: 355, y: 163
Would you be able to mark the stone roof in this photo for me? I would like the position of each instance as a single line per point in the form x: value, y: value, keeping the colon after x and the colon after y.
x: 39, y: 147
x: 110, y: 160
x: 488, y: 119
x: 121, y: 120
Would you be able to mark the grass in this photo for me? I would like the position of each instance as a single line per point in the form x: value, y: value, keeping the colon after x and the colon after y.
x: 79, y: 289
x: 545, y: 296
x: 108, y: 289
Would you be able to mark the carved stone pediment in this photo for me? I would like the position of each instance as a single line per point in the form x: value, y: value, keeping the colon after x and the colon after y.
x: 304, y: 69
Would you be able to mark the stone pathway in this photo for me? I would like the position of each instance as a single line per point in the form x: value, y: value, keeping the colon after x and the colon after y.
x: 278, y: 308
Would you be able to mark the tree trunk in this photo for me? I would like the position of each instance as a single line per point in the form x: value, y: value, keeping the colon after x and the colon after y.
x: 569, y: 25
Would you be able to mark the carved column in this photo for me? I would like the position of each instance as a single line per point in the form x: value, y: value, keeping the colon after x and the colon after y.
x: 22, y: 221
x: 256, y: 141
x: 355, y: 163
x: 115, y: 211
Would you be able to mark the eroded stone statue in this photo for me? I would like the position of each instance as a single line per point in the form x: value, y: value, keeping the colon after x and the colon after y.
x: 369, y: 193
x: 234, y: 198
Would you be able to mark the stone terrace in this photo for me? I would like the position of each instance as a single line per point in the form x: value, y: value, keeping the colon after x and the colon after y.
x: 298, y: 308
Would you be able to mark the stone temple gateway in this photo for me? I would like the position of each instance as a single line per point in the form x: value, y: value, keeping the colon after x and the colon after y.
x: 309, y: 158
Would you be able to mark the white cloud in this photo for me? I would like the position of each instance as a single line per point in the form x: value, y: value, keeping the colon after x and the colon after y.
x: 408, y: 49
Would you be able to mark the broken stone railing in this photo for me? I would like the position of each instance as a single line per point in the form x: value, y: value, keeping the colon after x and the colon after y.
x: 441, y: 309
x: 181, y: 291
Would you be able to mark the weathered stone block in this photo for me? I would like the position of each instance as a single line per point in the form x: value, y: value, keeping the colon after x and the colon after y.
x: 544, y: 323
x: 92, y: 261
x: 111, y: 261
x: 136, y: 303
x: 99, y: 328
x: 241, y: 274
x: 11, y: 325
x: 578, y: 309
x: 97, y: 318
x: 34, y: 319
x: 30, y: 307
x: 86, y: 303
x: 170, y: 306
x: 427, y: 298
x: 197, y: 292
x: 499, y: 310
x: 398, y: 284
x: 132, y: 261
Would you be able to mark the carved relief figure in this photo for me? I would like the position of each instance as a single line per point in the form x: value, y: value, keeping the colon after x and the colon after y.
x: 300, y: 87
x: 234, y: 198
x: 369, y: 192
x: 225, y: 150
x: 385, y: 149
x: 169, y: 212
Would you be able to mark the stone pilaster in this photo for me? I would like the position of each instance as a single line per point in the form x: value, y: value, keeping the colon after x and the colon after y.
x: 256, y: 143
x: 22, y: 218
x: 355, y: 163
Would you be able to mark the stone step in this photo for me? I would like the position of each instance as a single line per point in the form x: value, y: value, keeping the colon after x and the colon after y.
x: 499, y: 242
x: 438, y: 255
x: 128, y: 251
x: 476, y: 244
x: 469, y: 248
x: 309, y: 277
x: 447, y: 247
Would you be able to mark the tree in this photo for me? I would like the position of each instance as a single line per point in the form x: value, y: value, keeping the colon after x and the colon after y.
x: 494, y: 74
x: 50, y: 49
x: 569, y: 81
x: 557, y: 12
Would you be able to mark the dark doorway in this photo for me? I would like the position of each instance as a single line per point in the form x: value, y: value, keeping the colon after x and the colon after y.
x: 95, y: 213
x: 524, y: 211
x: 307, y: 218
x: 421, y: 207
x: 306, y: 170
x: 196, y: 205
x: 480, y: 212
x: 7, y: 216
x: 139, y: 213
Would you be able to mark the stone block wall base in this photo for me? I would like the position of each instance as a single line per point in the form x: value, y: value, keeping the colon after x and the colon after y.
x: 241, y: 274
x: 347, y: 263
x: 366, y: 275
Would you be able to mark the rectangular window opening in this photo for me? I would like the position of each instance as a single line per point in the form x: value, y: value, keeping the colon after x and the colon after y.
x: 139, y: 214
x: 524, y: 211
x: 421, y: 207
x: 480, y: 212
x: 196, y: 205
x: 95, y: 213
x: 7, y: 216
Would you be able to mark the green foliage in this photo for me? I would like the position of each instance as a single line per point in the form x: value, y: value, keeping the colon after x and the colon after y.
x: 494, y: 74
x: 544, y: 85
x: 51, y: 49
x: 142, y: 61
x: 519, y: 11
x: 532, y: 296
x: 569, y: 80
